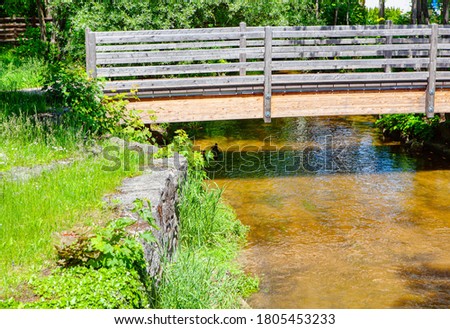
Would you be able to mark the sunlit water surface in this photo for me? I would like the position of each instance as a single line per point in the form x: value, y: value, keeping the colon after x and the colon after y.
x: 338, y: 218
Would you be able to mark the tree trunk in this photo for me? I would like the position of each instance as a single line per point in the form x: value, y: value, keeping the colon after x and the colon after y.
x: 445, y: 11
x: 419, y: 11
x: 426, y: 15
x: 414, y: 11
x: 336, y: 13
x: 317, y: 9
x: 347, y: 16
x: 381, y: 7
x: 41, y: 16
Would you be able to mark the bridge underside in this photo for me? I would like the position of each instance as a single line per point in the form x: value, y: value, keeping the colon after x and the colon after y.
x: 187, y: 109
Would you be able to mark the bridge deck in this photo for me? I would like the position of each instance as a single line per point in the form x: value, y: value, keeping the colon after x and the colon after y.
x: 186, y: 109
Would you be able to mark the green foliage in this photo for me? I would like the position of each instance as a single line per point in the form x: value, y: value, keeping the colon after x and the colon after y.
x: 409, y: 126
x: 30, y: 44
x: 393, y: 14
x: 70, y: 87
x: 18, y: 71
x: 109, y: 246
x: 184, y: 146
x: 199, y: 279
x: 84, y: 288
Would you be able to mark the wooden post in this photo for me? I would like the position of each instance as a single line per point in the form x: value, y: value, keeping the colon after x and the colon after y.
x: 267, y: 74
x: 91, y: 56
x: 243, y: 46
x: 431, y: 89
x: 388, y: 53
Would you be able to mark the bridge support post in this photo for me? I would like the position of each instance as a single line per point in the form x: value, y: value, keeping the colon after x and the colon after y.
x: 242, y: 46
x: 268, y: 34
x: 388, y: 54
x: 431, y: 89
x: 91, y: 54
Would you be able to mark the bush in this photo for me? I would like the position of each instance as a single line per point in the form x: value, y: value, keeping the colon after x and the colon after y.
x: 81, y: 287
x: 89, y: 108
x: 408, y: 126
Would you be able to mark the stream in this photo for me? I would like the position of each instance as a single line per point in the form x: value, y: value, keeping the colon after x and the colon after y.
x: 338, y: 217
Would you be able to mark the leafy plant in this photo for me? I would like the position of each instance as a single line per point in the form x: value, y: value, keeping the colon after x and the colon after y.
x: 109, y: 246
x: 409, y: 126
x: 81, y: 287
x: 70, y: 87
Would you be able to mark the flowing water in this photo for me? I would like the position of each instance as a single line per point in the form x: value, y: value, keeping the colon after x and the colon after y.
x: 338, y: 218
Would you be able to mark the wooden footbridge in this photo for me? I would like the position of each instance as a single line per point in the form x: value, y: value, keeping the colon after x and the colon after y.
x: 267, y: 72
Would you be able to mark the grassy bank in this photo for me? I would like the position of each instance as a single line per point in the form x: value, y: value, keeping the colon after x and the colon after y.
x: 204, y: 273
x: 34, y: 210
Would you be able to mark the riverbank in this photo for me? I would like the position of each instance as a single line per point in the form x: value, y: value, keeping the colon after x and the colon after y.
x: 417, y: 133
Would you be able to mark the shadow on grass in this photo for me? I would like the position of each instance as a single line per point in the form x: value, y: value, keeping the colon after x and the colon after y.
x: 22, y: 102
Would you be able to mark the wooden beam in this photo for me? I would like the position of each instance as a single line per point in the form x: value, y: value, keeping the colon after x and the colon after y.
x: 267, y: 74
x: 91, y: 54
x: 388, y: 54
x: 242, y: 46
x: 431, y: 90
x: 287, y: 105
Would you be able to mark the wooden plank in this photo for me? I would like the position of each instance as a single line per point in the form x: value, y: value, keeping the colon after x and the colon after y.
x: 349, y: 77
x: 176, y: 56
x: 353, y: 33
x: 91, y: 60
x: 431, y: 89
x: 341, y: 64
x: 343, y: 27
x: 242, y: 46
x: 205, y: 82
x: 176, y: 37
x: 131, y: 71
x: 349, y: 53
x: 213, y: 30
x: 169, y: 46
x: 379, y: 47
x: 267, y: 73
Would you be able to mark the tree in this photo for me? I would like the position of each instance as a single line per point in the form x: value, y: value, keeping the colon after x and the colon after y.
x: 445, y: 14
x: 381, y: 9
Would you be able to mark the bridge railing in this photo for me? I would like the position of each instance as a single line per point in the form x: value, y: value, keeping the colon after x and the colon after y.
x: 240, y: 60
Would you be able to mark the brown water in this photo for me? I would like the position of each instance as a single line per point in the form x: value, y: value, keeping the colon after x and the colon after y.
x: 338, y: 218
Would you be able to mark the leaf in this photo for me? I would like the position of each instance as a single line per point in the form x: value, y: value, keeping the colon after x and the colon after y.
x: 148, y: 237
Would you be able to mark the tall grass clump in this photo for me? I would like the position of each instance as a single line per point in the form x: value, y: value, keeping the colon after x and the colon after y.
x: 19, y: 72
x: 204, y: 273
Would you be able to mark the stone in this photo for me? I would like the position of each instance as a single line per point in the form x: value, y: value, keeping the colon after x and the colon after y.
x: 160, y: 185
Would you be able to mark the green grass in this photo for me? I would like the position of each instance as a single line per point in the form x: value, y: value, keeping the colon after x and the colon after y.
x: 19, y: 72
x: 27, y: 141
x: 33, y: 211
x: 204, y: 273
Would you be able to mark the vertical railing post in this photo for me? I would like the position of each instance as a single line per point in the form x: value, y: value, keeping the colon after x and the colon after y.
x: 91, y: 56
x: 431, y: 88
x: 267, y: 74
x: 388, y: 53
x: 243, y: 46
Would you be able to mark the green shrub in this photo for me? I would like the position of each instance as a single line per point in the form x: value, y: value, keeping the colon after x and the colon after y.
x: 70, y: 87
x: 409, y: 126
x: 81, y: 287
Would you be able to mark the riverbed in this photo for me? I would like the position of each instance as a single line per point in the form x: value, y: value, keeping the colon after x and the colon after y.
x: 338, y: 216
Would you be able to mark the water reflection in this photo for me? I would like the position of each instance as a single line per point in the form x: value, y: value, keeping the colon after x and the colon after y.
x: 338, y: 218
